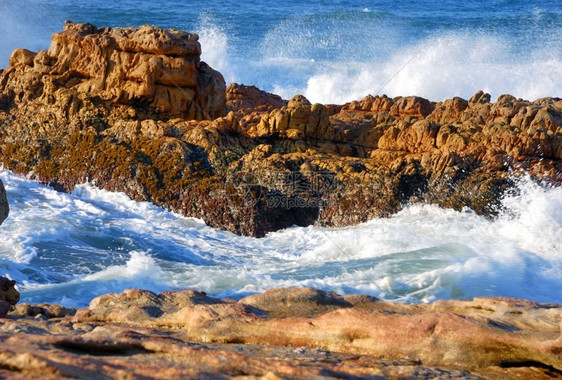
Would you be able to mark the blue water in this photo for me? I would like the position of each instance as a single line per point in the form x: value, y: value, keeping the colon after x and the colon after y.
x: 68, y: 248
x: 338, y: 51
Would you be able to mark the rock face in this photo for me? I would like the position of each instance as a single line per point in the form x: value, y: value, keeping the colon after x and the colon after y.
x: 89, y: 76
x: 9, y: 295
x: 282, y: 333
x: 134, y: 110
x: 4, y: 206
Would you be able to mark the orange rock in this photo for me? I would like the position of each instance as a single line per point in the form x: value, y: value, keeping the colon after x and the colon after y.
x: 157, y: 68
x: 158, y: 115
x: 293, y: 332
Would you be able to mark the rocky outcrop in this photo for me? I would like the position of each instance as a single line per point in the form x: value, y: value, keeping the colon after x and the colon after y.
x: 282, y: 333
x: 4, y: 206
x: 134, y: 110
x: 9, y: 295
x: 90, y: 76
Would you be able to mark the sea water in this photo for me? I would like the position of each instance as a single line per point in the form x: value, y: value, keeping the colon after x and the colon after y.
x: 340, y: 50
x: 68, y: 248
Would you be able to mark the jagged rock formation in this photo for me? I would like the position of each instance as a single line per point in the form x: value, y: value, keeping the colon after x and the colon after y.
x: 134, y: 110
x: 90, y: 76
x: 282, y: 333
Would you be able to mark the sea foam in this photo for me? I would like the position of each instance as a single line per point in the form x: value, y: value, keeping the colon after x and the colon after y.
x: 92, y: 242
x: 68, y: 248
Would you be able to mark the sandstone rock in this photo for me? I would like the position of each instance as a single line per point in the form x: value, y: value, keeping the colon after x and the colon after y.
x: 283, y: 333
x: 295, y: 302
x: 480, y: 97
x: 154, y: 71
x: 411, y: 106
x: 22, y: 57
x: 250, y: 98
x: 448, y: 111
x: 371, y: 104
x: 299, y: 119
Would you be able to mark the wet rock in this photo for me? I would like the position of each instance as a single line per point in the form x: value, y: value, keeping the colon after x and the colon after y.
x: 9, y: 295
x: 4, y: 205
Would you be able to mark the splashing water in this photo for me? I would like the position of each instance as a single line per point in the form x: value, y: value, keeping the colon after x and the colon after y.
x: 340, y: 51
x: 69, y: 248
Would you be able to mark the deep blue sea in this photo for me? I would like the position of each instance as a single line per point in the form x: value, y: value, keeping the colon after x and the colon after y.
x: 68, y: 248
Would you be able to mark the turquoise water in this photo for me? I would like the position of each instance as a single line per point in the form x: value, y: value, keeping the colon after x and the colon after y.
x: 68, y: 248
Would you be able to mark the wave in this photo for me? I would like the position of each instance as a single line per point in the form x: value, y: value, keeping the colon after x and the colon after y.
x: 438, y: 68
x: 215, y: 46
x: 328, y: 67
x: 26, y: 25
x: 93, y: 242
x: 339, y: 55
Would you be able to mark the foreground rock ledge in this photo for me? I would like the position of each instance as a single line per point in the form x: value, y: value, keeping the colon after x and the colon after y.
x: 135, y: 110
x: 282, y: 333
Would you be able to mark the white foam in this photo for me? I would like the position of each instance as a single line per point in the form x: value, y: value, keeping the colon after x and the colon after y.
x: 215, y: 47
x: 442, y: 67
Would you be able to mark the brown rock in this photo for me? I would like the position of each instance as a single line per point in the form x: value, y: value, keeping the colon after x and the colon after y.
x: 4, y: 205
x: 411, y: 106
x: 448, y: 111
x: 371, y: 104
x: 22, y: 57
x: 480, y: 97
x: 9, y: 295
x: 298, y: 119
x: 249, y: 98
x: 121, y: 108
x: 148, y: 69
x: 8, y: 291
x: 284, y: 333
x: 294, y: 302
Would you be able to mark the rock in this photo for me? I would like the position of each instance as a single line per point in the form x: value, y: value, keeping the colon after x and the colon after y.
x: 480, y: 97
x: 153, y: 71
x: 295, y: 302
x: 9, y: 295
x: 134, y: 110
x: 297, y: 120
x: 4, y: 205
x: 47, y: 311
x: 411, y: 106
x: 9, y: 292
x: 285, y: 333
x: 22, y: 57
x: 250, y: 98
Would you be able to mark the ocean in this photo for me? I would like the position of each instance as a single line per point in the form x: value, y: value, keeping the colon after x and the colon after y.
x: 68, y: 248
